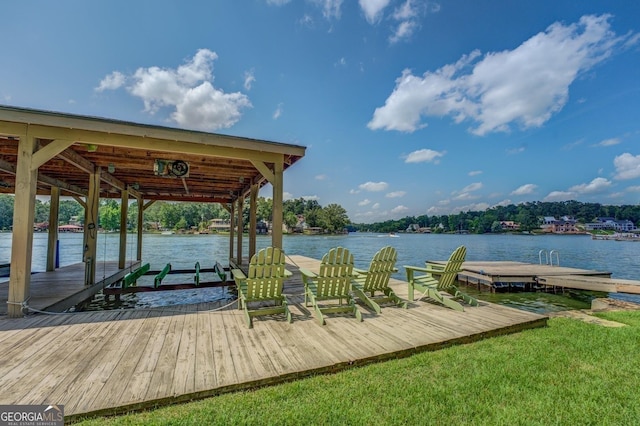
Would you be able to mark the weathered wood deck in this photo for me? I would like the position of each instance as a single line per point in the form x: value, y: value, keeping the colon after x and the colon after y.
x: 492, y: 272
x: 59, y: 290
x: 116, y: 361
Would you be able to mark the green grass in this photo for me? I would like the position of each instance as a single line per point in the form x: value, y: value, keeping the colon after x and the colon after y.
x: 570, y: 373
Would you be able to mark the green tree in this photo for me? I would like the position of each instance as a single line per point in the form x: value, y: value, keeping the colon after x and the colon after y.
x: 334, y: 218
x: 68, y: 209
x: 109, y: 215
x: 6, y: 211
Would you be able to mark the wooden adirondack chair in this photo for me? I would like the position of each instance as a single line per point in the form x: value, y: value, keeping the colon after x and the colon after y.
x: 332, y: 283
x: 438, y: 278
x: 263, y: 283
x: 376, y: 279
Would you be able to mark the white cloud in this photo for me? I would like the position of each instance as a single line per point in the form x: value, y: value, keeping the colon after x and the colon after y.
x: 466, y: 196
x: 503, y: 203
x: 609, y: 142
x: 342, y: 62
x: 559, y: 196
x: 595, y: 186
x: 278, y: 2
x: 310, y: 197
x: 627, y: 166
x: 396, y: 194
x: 399, y: 209
x: 374, y: 186
x: 525, y: 189
x: 472, y: 187
x: 475, y: 172
x: 514, y: 151
x: 523, y: 86
x: 278, y: 112
x: 330, y: 8
x: 376, y: 206
x: 404, y: 30
x: 187, y: 90
x: 364, y: 202
x: 249, y: 78
x: 423, y: 155
x: 321, y: 177
x: 285, y: 196
x: 474, y: 207
x: 633, y: 188
x: 113, y: 81
x: 373, y: 9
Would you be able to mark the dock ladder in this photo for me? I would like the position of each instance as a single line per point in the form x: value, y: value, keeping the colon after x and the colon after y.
x: 548, y: 257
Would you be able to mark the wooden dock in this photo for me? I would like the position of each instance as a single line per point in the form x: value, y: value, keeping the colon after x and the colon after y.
x: 604, y: 284
x: 505, y: 273
x: 59, y: 290
x: 108, y: 362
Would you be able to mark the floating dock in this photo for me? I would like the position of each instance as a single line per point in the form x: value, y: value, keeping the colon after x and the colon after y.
x: 506, y: 274
x: 531, y: 276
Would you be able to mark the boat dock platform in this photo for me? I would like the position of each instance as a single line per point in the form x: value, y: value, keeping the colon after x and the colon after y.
x: 530, y: 276
x: 108, y: 362
x: 62, y: 289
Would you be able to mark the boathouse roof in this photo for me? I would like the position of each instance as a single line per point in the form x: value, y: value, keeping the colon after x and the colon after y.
x: 152, y: 162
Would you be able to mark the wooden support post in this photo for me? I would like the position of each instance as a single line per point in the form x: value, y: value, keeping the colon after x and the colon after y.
x: 91, y: 227
x: 253, y: 206
x: 140, y: 227
x: 276, y: 231
x: 22, y: 239
x: 232, y: 226
x: 124, y: 208
x: 52, y: 243
x: 240, y: 227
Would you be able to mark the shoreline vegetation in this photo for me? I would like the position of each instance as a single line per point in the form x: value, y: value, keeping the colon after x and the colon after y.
x: 309, y: 215
x: 566, y: 373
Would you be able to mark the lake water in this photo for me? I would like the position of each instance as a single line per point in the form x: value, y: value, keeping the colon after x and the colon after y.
x: 620, y: 258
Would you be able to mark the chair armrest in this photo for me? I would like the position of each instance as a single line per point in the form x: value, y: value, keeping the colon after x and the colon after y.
x: 238, y: 274
x: 416, y: 268
x: 357, y: 272
x: 287, y: 273
x: 308, y: 273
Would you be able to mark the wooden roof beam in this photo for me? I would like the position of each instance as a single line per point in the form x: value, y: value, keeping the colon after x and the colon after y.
x: 48, y: 151
x: 155, y: 144
x: 72, y: 157
x: 10, y: 168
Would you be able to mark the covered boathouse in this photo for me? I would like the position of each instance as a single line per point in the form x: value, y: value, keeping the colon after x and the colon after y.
x: 56, y: 154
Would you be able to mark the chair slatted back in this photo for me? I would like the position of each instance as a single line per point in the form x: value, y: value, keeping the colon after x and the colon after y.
x: 451, y: 268
x: 380, y: 270
x: 336, y: 273
x: 266, y: 274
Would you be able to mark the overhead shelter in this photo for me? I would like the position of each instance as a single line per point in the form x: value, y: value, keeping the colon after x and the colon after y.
x: 56, y: 154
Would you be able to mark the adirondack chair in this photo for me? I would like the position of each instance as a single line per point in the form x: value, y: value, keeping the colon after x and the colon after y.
x: 439, y: 278
x: 376, y: 279
x: 263, y: 284
x: 331, y: 284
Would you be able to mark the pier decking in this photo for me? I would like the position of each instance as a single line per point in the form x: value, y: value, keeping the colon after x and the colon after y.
x: 504, y: 272
x: 59, y: 290
x: 116, y: 361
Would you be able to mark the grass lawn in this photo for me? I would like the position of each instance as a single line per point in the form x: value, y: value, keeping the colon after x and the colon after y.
x: 570, y: 373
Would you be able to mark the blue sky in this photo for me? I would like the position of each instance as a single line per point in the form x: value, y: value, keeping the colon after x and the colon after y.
x: 406, y: 107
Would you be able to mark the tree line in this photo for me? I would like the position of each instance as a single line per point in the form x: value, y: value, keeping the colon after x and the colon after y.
x: 332, y: 218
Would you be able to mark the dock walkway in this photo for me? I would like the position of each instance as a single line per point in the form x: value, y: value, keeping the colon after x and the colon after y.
x: 59, y: 290
x: 108, y: 362
x: 494, y: 273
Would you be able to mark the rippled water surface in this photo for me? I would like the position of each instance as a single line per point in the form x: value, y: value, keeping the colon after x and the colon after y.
x: 182, y: 251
